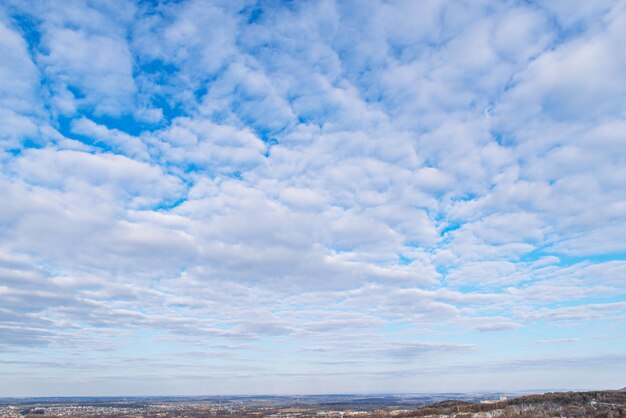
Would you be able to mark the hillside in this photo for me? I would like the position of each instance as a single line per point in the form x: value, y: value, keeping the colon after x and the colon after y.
x: 571, y: 404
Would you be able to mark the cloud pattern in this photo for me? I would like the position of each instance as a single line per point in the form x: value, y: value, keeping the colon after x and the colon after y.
x: 333, y: 196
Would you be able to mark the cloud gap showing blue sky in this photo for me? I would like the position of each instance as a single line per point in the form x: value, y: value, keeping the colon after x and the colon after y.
x: 204, y: 197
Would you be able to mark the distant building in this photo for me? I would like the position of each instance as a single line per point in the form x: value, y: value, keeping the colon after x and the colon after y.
x: 487, y: 401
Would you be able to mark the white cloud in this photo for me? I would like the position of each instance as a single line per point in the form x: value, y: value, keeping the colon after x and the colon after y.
x: 18, y: 75
x: 114, y: 138
x: 20, y: 110
x: 257, y: 182
x: 92, y: 70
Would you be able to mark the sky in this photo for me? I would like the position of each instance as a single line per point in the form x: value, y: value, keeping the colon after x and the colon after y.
x: 277, y: 197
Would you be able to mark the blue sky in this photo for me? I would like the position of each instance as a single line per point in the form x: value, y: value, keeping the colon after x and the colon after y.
x: 203, y: 197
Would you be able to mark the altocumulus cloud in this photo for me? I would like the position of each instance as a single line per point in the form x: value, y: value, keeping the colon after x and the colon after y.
x: 251, y: 196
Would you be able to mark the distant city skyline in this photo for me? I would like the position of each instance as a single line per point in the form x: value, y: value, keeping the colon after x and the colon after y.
x: 315, y: 197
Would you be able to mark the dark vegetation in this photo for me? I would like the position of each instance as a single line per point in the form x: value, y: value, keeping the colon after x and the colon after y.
x: 607, y: 404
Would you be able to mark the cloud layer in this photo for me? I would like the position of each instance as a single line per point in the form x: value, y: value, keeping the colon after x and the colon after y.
x: 237, y: 197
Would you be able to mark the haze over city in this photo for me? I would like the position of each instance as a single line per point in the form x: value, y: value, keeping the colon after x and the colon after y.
x: 317, y: 197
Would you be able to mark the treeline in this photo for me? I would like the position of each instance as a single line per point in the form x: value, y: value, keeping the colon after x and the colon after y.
x: 609, y: 404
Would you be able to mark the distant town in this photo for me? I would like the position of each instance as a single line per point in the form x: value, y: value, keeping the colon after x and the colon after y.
x: 457, y: 405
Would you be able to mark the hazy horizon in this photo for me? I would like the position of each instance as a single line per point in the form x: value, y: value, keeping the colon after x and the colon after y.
x: 320, y: 394
x: 307, y: 197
